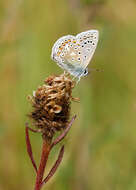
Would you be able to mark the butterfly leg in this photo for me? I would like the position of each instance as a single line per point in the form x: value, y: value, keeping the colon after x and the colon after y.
x: 75, y: 78
x: 65, y: 73
x: 78, y: 80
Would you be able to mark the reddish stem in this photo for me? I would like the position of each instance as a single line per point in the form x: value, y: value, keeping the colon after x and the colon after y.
x: 46, y: 148
x: 61, y: 137
x: 29, y: 147
x: 43, y: 161
x: 55, y: 166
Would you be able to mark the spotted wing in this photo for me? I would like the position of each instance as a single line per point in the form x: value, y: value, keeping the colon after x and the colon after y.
x: 88, y: 42
x: 62, y: 50
x: 73, y: 53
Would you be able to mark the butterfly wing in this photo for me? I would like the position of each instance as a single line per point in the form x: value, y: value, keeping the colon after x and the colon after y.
x: 88, y: 42
x: 62, y: 49
x: 73, y: 53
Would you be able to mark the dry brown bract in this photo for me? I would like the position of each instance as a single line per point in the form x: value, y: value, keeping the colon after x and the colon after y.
x: 51, y: 104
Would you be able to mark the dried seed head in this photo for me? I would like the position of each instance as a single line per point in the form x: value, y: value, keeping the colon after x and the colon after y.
x: 51, y: 104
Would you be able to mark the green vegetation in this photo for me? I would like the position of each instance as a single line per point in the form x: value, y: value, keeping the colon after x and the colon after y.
x: 100, y: 151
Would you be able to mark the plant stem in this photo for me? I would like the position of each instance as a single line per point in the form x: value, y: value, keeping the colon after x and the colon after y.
x: 55, y: 166
x: 43, y: 161
x: 62, y: 136
x: 29, y: 147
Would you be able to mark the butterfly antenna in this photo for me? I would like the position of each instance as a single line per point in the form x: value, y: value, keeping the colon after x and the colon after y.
x: 97, y: 70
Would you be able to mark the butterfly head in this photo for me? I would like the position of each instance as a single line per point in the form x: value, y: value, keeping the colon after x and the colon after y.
x: 85, y: 72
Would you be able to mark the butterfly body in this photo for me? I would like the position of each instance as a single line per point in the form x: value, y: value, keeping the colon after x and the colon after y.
x: 73, y: 53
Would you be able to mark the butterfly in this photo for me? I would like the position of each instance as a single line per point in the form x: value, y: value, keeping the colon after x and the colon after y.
x: 73, y: 53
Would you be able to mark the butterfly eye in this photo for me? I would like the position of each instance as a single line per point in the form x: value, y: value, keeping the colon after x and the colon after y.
x: 85, y: 72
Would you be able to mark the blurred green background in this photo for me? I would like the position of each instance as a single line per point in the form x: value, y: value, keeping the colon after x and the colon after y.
x: 100, y: 150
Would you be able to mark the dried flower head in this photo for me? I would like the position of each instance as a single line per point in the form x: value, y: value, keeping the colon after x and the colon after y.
x: 51, y: 104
